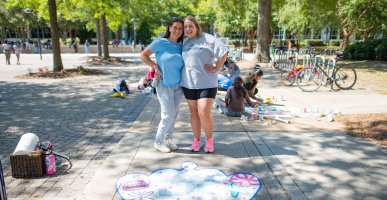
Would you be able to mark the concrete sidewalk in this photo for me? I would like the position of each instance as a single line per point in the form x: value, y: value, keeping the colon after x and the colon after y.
x: 291, y: 164
x: 108, y: 138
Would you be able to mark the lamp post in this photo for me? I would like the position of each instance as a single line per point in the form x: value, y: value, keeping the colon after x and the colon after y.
x: 134, y: 34
x: 28, y: 11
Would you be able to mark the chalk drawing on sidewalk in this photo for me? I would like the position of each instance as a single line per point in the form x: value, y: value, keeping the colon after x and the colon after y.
x: 188, y: 182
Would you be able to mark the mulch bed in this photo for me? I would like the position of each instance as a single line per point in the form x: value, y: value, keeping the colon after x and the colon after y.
x: 369, y: 126
x: 68, y: 73
x: 94, y: 60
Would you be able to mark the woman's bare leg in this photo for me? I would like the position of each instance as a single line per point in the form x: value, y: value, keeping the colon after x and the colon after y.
x: 195, y: 120
x: 205, y: 115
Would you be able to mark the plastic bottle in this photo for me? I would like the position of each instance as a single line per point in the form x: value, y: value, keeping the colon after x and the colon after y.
x: 330, y: 116
x: 261, y: 112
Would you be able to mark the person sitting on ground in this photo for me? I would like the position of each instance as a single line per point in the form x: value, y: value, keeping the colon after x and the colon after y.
x: 121, y: 87
x: 232, y: 68
x: 233, y: 104
x: 251, y: 83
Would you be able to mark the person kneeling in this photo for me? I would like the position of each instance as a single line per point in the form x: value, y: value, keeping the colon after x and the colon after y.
x: 233, y: 103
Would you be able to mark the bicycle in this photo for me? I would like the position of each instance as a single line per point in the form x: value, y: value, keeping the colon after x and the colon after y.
x: 288, y: 78
x: 310, y: 79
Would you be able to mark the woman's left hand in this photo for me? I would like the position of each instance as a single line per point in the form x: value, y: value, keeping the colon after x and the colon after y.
x: 210, y: 68
x: 158, y: 73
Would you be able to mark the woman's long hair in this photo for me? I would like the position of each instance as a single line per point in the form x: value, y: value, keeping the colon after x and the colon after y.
x: 238, y: 87
x: 168, y: 32
x: 257, y: 72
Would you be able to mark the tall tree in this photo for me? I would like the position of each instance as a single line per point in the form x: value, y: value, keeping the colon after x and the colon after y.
x: 55, y: 34
x: 263, y: 32
x: 99, y: 40
x: 105, y: 39
x: 39, y: 8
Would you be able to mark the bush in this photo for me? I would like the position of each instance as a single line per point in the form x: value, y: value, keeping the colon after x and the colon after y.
x: 277, y: 42
x: 368, y: 50
x: 236, y: 43
x: 68, y: 41
x: 159, y: 32
x: 314, y: 42
x: 381, y: 51
x: 335, y: 42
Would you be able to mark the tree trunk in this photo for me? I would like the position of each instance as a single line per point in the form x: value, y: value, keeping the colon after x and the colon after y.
x: 58, y: 66
x: 245, y: 38
x: 99, y: 40
x: 105, y: 38
x: 251, y: 36
x: 346, y: 35
x: 263, y: 32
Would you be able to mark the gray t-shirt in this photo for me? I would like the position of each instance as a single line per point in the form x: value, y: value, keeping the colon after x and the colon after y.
x: 197, y: 52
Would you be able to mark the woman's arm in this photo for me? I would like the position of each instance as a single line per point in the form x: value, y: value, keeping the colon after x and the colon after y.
x: 252, y: 104
x: 232, y: 68
x: 251, y: 94
x: 145, y: 56
x: 227, y: 97
x: 218, y: 65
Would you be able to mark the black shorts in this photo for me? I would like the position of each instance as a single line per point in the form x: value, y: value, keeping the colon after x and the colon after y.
x: 195, y: 94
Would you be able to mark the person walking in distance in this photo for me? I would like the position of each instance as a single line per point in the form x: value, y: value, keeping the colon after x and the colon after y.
x: 17, y: 51
x: 7, y: 52
x: 87, y: 46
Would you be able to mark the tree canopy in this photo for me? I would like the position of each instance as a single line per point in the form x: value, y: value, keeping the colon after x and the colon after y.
x: 365, y: 17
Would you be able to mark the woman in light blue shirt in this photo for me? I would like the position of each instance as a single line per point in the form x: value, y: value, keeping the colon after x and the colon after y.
x: 203, y: 56
x: 168, y: 73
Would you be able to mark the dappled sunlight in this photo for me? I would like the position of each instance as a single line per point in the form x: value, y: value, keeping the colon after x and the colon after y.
x: 331, y: 161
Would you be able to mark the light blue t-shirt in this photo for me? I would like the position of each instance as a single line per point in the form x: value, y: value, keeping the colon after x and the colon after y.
x: 197, y: 52
x: 169, y: 60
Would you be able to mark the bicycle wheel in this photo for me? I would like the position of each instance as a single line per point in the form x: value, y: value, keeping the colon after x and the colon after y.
x: 345, y: 78
x: 309, y: 79
x: 287, y: 78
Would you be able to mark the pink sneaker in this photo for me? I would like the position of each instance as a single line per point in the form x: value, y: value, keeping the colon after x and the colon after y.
x: 209, y: 146
x: 196, y: 145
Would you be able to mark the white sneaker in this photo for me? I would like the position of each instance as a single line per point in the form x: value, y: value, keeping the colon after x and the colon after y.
x: 162, y: 148
x: 170, y: 145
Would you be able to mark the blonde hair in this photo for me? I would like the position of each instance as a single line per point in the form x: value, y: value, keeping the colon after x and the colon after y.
x: 198, y: 28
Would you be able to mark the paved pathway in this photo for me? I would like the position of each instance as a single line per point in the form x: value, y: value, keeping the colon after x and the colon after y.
x: 108, y: 138
x: 77, y: 115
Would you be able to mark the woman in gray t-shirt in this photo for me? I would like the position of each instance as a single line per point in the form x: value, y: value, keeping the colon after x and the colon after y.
x: 201, y: 51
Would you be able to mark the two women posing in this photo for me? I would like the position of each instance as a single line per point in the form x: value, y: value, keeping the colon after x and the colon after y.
x: 186, y: 67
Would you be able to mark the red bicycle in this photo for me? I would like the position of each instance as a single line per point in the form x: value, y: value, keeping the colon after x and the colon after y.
x: 288, y: 78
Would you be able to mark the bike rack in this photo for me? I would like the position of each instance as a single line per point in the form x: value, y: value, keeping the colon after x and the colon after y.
x: 235, y: 54
x: 306, y: 61
x: 330, y: 64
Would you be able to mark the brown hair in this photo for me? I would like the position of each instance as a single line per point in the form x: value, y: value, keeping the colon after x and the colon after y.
x: 257, y: 72
x: 240, y: 90
x: 170, y: 23
x: 198, y: 28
